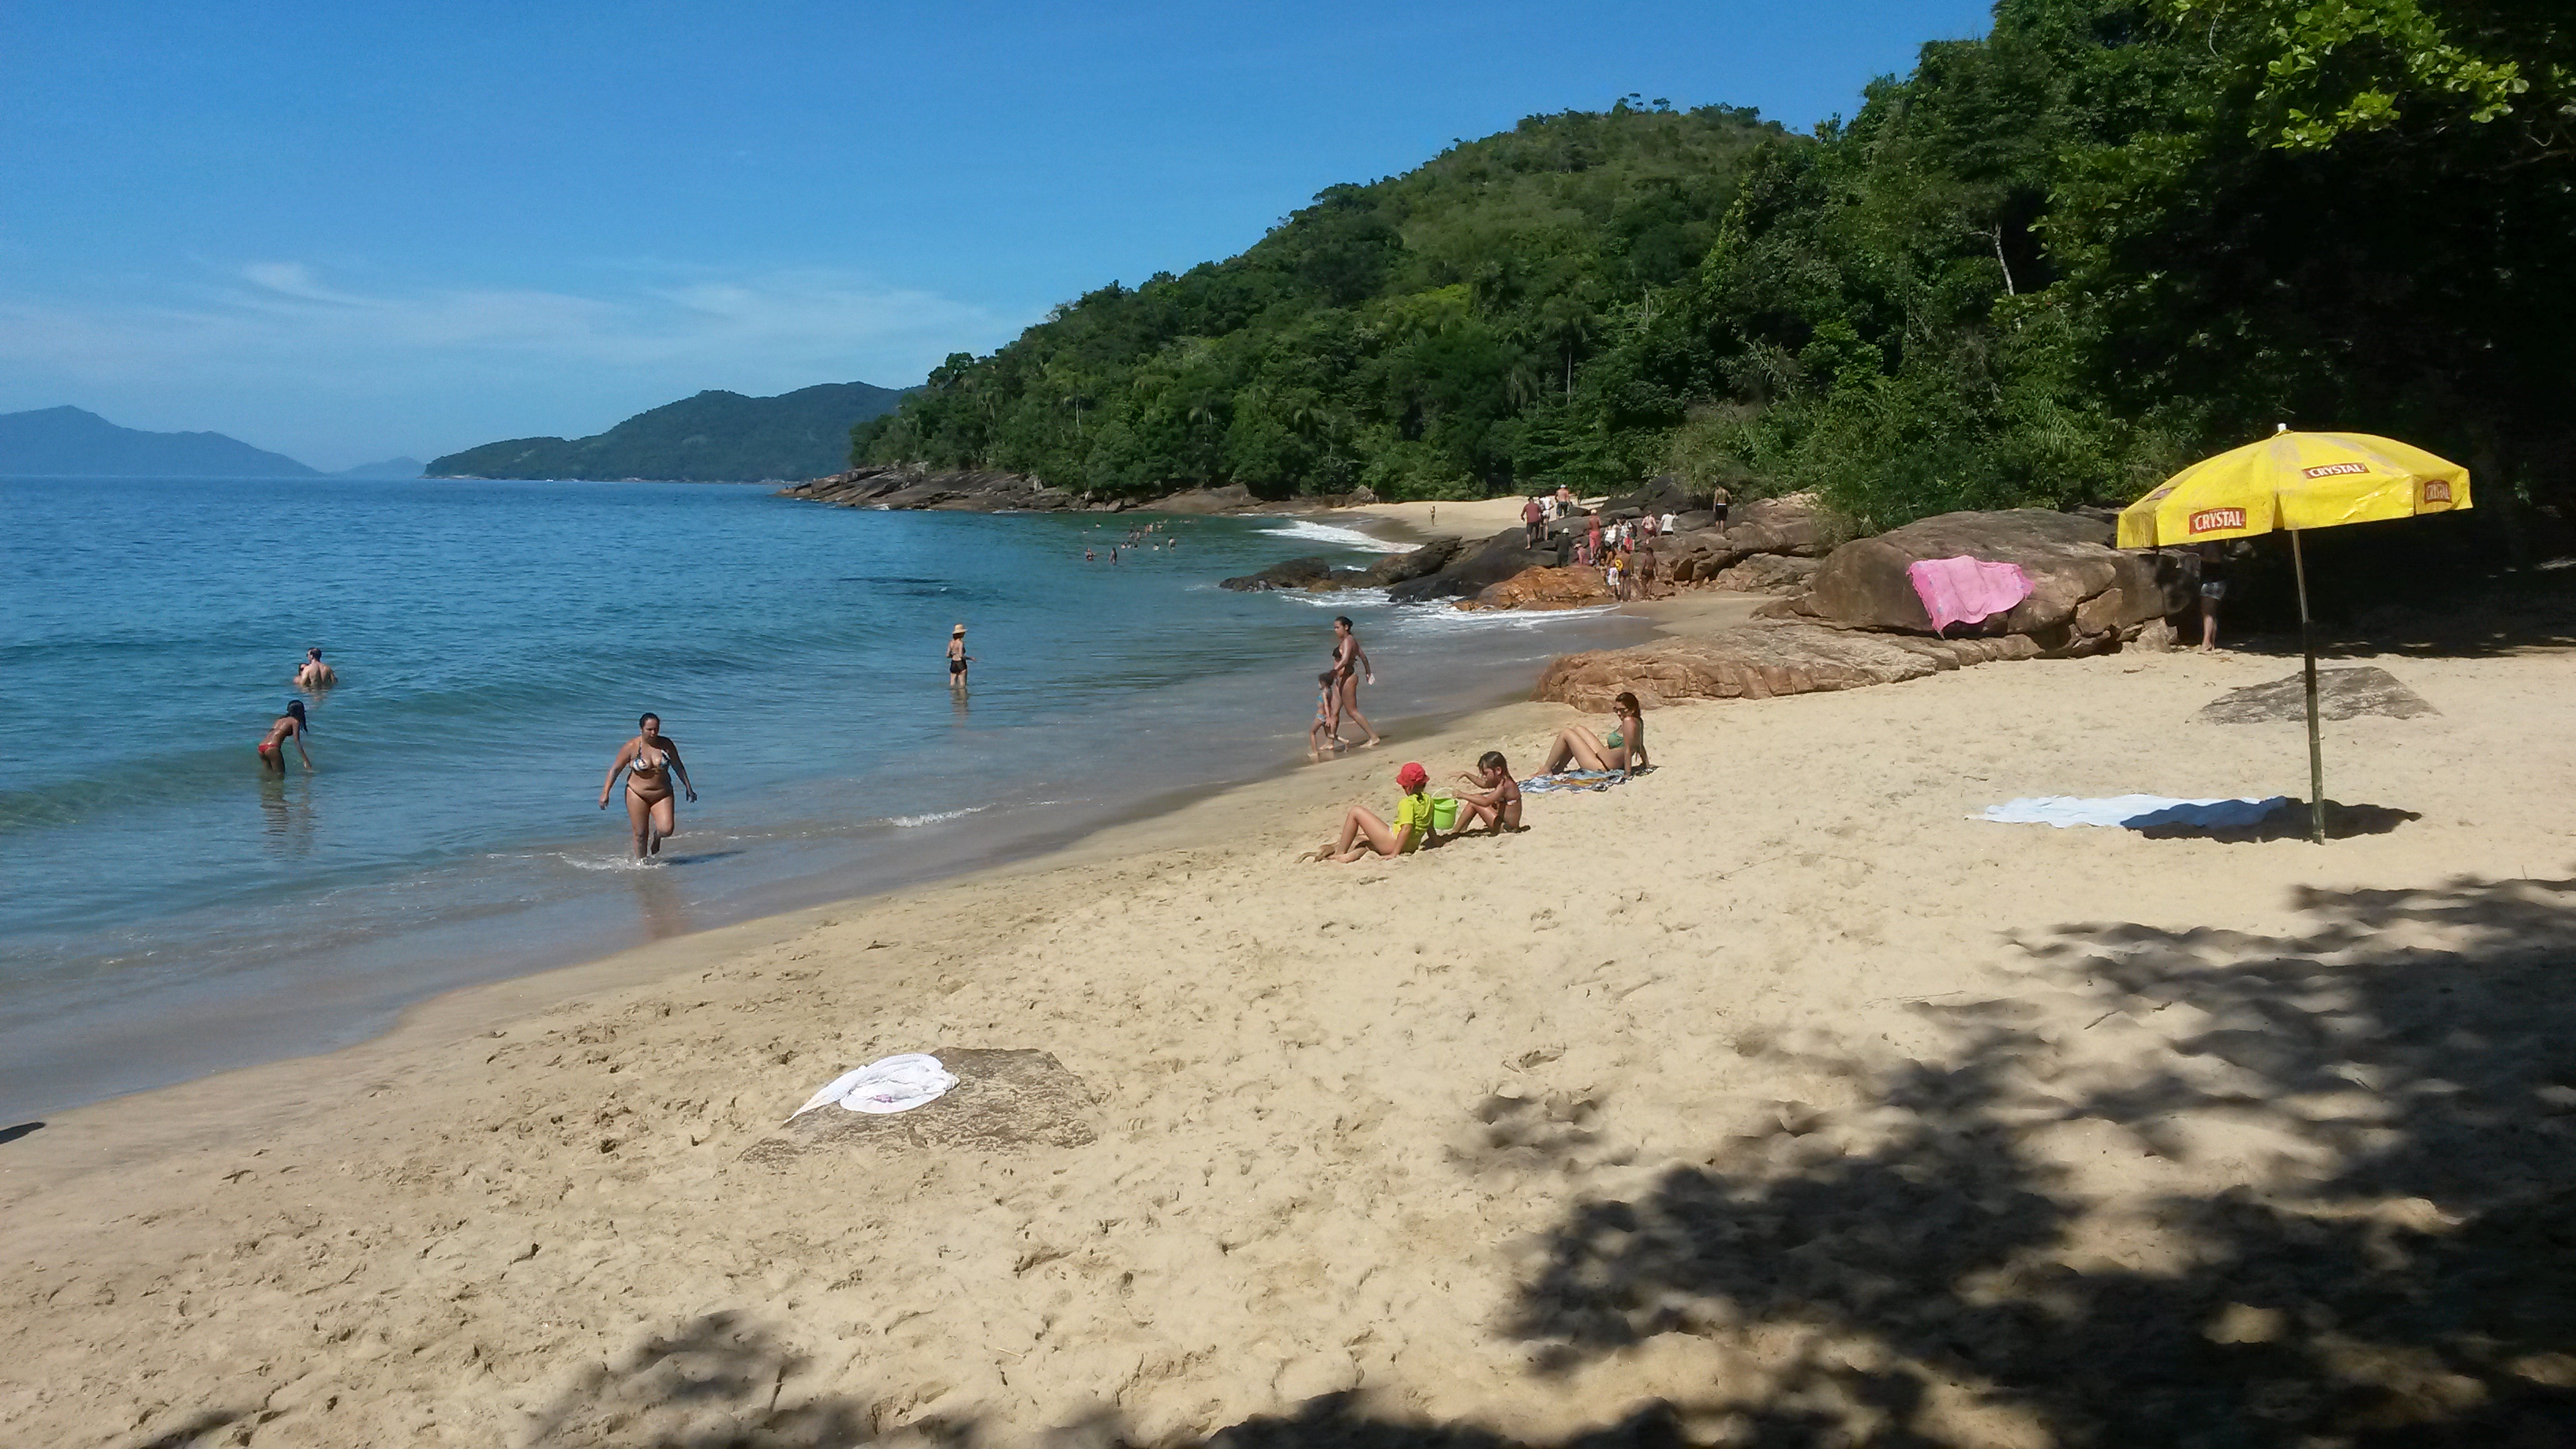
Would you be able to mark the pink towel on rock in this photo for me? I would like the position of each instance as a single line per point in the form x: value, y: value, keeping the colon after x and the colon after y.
x: 1964, y: 590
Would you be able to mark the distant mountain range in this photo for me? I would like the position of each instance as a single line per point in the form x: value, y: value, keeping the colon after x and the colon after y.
x: 69, y: 443
x: 389, y: 468
x: 715, y: 437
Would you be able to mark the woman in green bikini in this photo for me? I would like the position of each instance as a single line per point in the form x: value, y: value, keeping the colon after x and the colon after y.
x: 1624, y: 749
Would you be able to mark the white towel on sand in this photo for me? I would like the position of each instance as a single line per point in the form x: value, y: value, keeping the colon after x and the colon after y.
x: 2137, y: 812
x: 890, y: 1084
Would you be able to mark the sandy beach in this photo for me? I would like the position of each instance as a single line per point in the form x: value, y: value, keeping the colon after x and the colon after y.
x: 1767, y: 1097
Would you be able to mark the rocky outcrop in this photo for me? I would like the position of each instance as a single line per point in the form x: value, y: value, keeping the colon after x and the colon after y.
x: 2341, y: 694
x: 1295, y: 573
x: 1795, y: 524
x: 1232, y: 498
x: 1544, y: 588
x: 1475, y: 568
x: 953, y: 491
x: 2086, y: 594
x: 1316, y: 575
x: 1762, y: 660
x: 1767, y: 573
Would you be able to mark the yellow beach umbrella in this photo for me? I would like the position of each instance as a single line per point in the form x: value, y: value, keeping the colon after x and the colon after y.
x: 2296, y: 481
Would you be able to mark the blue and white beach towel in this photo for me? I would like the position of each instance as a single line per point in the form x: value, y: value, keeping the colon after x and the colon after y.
x: 1577, y: 780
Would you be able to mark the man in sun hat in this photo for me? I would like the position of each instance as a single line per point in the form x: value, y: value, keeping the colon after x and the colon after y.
x: 958, y: 658
x: 1363, y: 833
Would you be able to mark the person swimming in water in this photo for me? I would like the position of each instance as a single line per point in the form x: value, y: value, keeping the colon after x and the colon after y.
x: 650, y: 760
x: 290, y: 725
x: 314, y: 674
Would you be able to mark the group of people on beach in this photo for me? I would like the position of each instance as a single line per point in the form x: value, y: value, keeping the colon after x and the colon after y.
x: 1625, y: 551
x: 1489, y: 797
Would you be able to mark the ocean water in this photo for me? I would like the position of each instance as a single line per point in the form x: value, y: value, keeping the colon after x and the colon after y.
x: 168, y: 909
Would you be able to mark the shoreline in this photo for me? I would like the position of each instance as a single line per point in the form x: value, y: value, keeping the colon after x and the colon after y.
x: 1334, y: 1115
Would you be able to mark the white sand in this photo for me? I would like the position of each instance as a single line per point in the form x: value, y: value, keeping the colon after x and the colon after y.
x: 526, y: 1215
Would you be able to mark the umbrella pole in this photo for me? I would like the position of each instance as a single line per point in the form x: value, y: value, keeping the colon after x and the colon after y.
x: 2316, y: 751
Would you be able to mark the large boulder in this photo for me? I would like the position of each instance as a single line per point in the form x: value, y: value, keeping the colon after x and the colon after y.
x: 1295, y: 573
x: 1232, y: 498
x: 1760, y: 661
x: 1475, y: 567
x: 1316, y: 575
x: 1397, y: 568
x: 1544, y: 588
x: 1662, y: 494
x: 2086, y: 594
x: 1767, y: 573
x: 1795, y: 524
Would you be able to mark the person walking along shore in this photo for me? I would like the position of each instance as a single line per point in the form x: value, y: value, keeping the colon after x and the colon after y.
x: 650, y: 760
x: 1350, y: 661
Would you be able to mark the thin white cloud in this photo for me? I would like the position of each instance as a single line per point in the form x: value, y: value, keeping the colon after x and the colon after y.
x: 348, y: 368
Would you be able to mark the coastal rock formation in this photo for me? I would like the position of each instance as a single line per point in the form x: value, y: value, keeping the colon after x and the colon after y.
x: 1232, y: 498
x: 969, y: 491
x: 1794, y: 524
x: 1316, y: 575
x: 1294, y: 573
x: 2341, y: 694
x: 2086, y: 594
x: 1475, y: 568
x: 1762, y: 660
x: 1767, y: 573
x: 1544, y: 588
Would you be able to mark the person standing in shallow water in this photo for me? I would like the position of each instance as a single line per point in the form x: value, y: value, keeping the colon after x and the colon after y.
x: 1350, y: 661
x: 958, y: 658
x: 650, y: 760
x: 290, y: 725
x: 315, y: 675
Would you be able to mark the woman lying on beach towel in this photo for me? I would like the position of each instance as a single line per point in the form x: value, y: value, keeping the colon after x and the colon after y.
x: 1497, y: 804
x: 1625, y: 749
x: 1364, y: 834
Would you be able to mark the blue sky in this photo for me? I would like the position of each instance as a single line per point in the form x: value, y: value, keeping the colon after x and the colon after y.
x: 349, y: 231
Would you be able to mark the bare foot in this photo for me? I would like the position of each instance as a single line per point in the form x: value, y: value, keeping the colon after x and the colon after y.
x: 1372, y: 742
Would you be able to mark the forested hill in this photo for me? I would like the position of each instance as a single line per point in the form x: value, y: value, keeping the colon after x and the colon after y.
x: 1418, y: 334
x: 2046, y: 266
x: 715, y: 437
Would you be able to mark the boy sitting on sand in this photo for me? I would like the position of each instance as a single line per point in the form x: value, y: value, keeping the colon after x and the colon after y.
x: 1498, y: 803
x: 1364, y: 834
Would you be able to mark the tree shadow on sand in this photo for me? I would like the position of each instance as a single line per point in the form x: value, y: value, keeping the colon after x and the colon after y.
x: 2385, y: 1102
x: 2401, y: 1274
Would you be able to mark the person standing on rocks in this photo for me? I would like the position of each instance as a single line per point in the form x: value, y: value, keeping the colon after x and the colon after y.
x: 1534, y: 518
x: 1350, y: 661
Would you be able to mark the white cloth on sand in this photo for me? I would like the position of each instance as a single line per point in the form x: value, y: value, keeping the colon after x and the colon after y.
x: 890, y: 1084
x: 2137, y: 812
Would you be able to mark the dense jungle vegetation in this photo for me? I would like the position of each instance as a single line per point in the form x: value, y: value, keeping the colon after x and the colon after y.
x: 2047, y: 267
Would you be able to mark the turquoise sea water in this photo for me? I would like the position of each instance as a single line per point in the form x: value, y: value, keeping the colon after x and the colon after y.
x: 167, y: 909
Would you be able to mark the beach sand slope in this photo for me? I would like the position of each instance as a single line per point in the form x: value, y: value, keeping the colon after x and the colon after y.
x: 1766, y: 1095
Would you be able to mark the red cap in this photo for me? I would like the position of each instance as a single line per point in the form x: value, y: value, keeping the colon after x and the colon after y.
x: 1412, y: 776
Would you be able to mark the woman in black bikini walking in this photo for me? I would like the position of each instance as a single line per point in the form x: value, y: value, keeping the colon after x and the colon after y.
x: 649, y: 760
